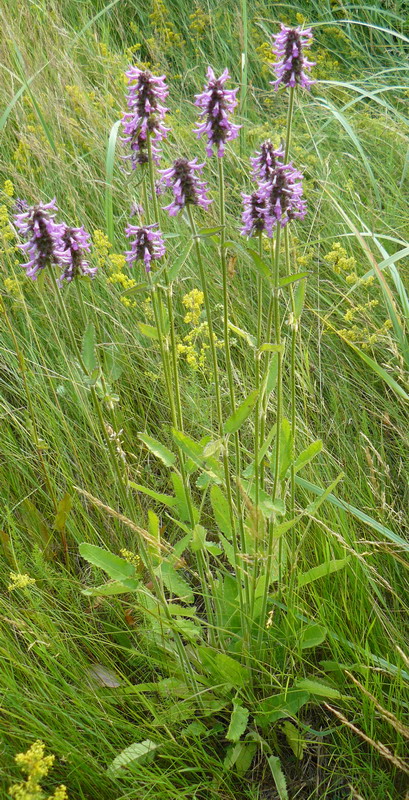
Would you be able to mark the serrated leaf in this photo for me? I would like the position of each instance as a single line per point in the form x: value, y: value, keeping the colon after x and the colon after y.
x: 288, y: 279
x: 242, y: 412
x: 117, y: 568
x: 312, y: 636
x: 294, y: 738
x: 158, y: 449
x: 88, y: 348
x: 175, y: 583
x: 231, y: 670
x: 199, y: 538
x: 322, y: 570
x: 63, y: 510
x: 112, y: 588
x: 280, y: 706
x: 318, y: 688
x: 132, y: 755
x: 148, y: 330
x: 177, y: 265
x: 221, y: 511
x: 307, y: 455
x: 279, y: 777
x: 164, y: 499
x: 181, y: 500
x: 238, y: 723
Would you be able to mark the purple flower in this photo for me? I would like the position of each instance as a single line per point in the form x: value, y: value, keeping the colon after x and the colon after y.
x: 283, y: 193
x: 44, y: 235
x: 291, y: 62
x: 255, y: 217
x: 75, y: 241
x: 186, y: 186
x: 216, y: 104
x: 146, y: 245
x: 276, y: 201
x: 266, y: 160
x: 146, y: 93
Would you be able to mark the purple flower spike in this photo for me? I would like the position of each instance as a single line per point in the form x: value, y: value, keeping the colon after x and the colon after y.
x: 216, y: 104
x: 266, y: 160
x: 146, y: 245
x: 185, y: 184
x: 44, y: 235
x: 283, y: 195
x: 255, y: 217
x: 291, y: 61
x: 146, y: 93
x: 75, y: 241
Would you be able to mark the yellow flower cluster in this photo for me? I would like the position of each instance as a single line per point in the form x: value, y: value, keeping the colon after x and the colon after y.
x: 36, y: 766
x: 164, y: 28
x: 359, y: 309
x: 102, y: 246
x: 21, y: 154
x: 194, y: 345
x: 360, y: 334
x: 7, y: 234
x: 117, y: 262
x: 266, y: 56
x: 19, y: 581
x: 131, y: 557
x: 8, y: 188
x: 199, y: 21
x: 337, y: 258
x: 13, y: 287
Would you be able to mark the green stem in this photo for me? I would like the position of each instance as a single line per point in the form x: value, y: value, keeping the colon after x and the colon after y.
x: 292, y: 374
x: 257, y: 422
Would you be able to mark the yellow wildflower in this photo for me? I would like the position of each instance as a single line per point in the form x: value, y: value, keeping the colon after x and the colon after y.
x: 8, y: 188
x: 131, y: 557
x: 19, y: 581
x: 102, y: 246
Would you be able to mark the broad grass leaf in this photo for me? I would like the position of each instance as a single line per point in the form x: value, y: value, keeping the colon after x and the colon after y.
x: 109, y: 173
x: 133, y: 754
x: 158, y: 449
x: 242, y: 412
x: 322, y: 570
x: 117, y: 568
x: 238, y: 723
x: 278, y: 775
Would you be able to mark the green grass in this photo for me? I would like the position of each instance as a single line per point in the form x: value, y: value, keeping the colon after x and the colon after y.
x: 351, y: 139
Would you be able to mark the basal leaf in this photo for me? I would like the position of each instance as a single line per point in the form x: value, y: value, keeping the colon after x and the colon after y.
x: 238, y: 723
x: 117, y: 568
x: 158, y: 449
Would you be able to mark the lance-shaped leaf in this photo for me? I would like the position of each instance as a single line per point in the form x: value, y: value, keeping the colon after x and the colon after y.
x: 117, y: 568
x: 238, y: 723
x: 242, y: 412
x: 158, y: 449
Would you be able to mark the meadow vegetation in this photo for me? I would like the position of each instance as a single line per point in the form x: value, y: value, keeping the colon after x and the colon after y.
x: 204, y: 472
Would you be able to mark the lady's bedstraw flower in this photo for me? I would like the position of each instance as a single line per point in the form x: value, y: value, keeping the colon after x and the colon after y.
x: 38, y: 225
x: 217, y: 103
x: 266, y: 160
x: 291, y: 62
x: 75, y: 241
x: 146, y: 93
x: 146, y: 245
x: 185, y: 184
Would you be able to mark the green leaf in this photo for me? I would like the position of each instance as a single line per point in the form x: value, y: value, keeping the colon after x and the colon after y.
x: 231, y: 671
x: 278, y: 775
x: 286, y: 447
x: 280, y: 706
x: 221, y: 511
x: 158, y: 449
x: 238, y: 723
x: 133, y: 754
x: 262, y: 268
x: 245, y: 757
x: 251, y: 340
x: 271, y: 348
x: 297, y: 276
x: 313, y: 507
x: 272, y: 375
x: 266, y: 503
x: 140, y: 287
x: 177, y: 265
x: 88, y: 348
x: 148, y: 330
x: 109, y: 172
x: 327, y: 568
x: 312, y: 636
x: 242, y: 412
x: 307, y: 455
x: 299, y: 297
x: 294, y: 738
x: 194, y: 451
x: 112, y: 588
x: 199, y: 538
x: 203, y: 232
x: 63, y: 510
x: 165, y: 499
x: 181, y: 500
x: 228, y: 551
x: 117, y: 568
x: 318, y: 688
x: 175, y: 583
